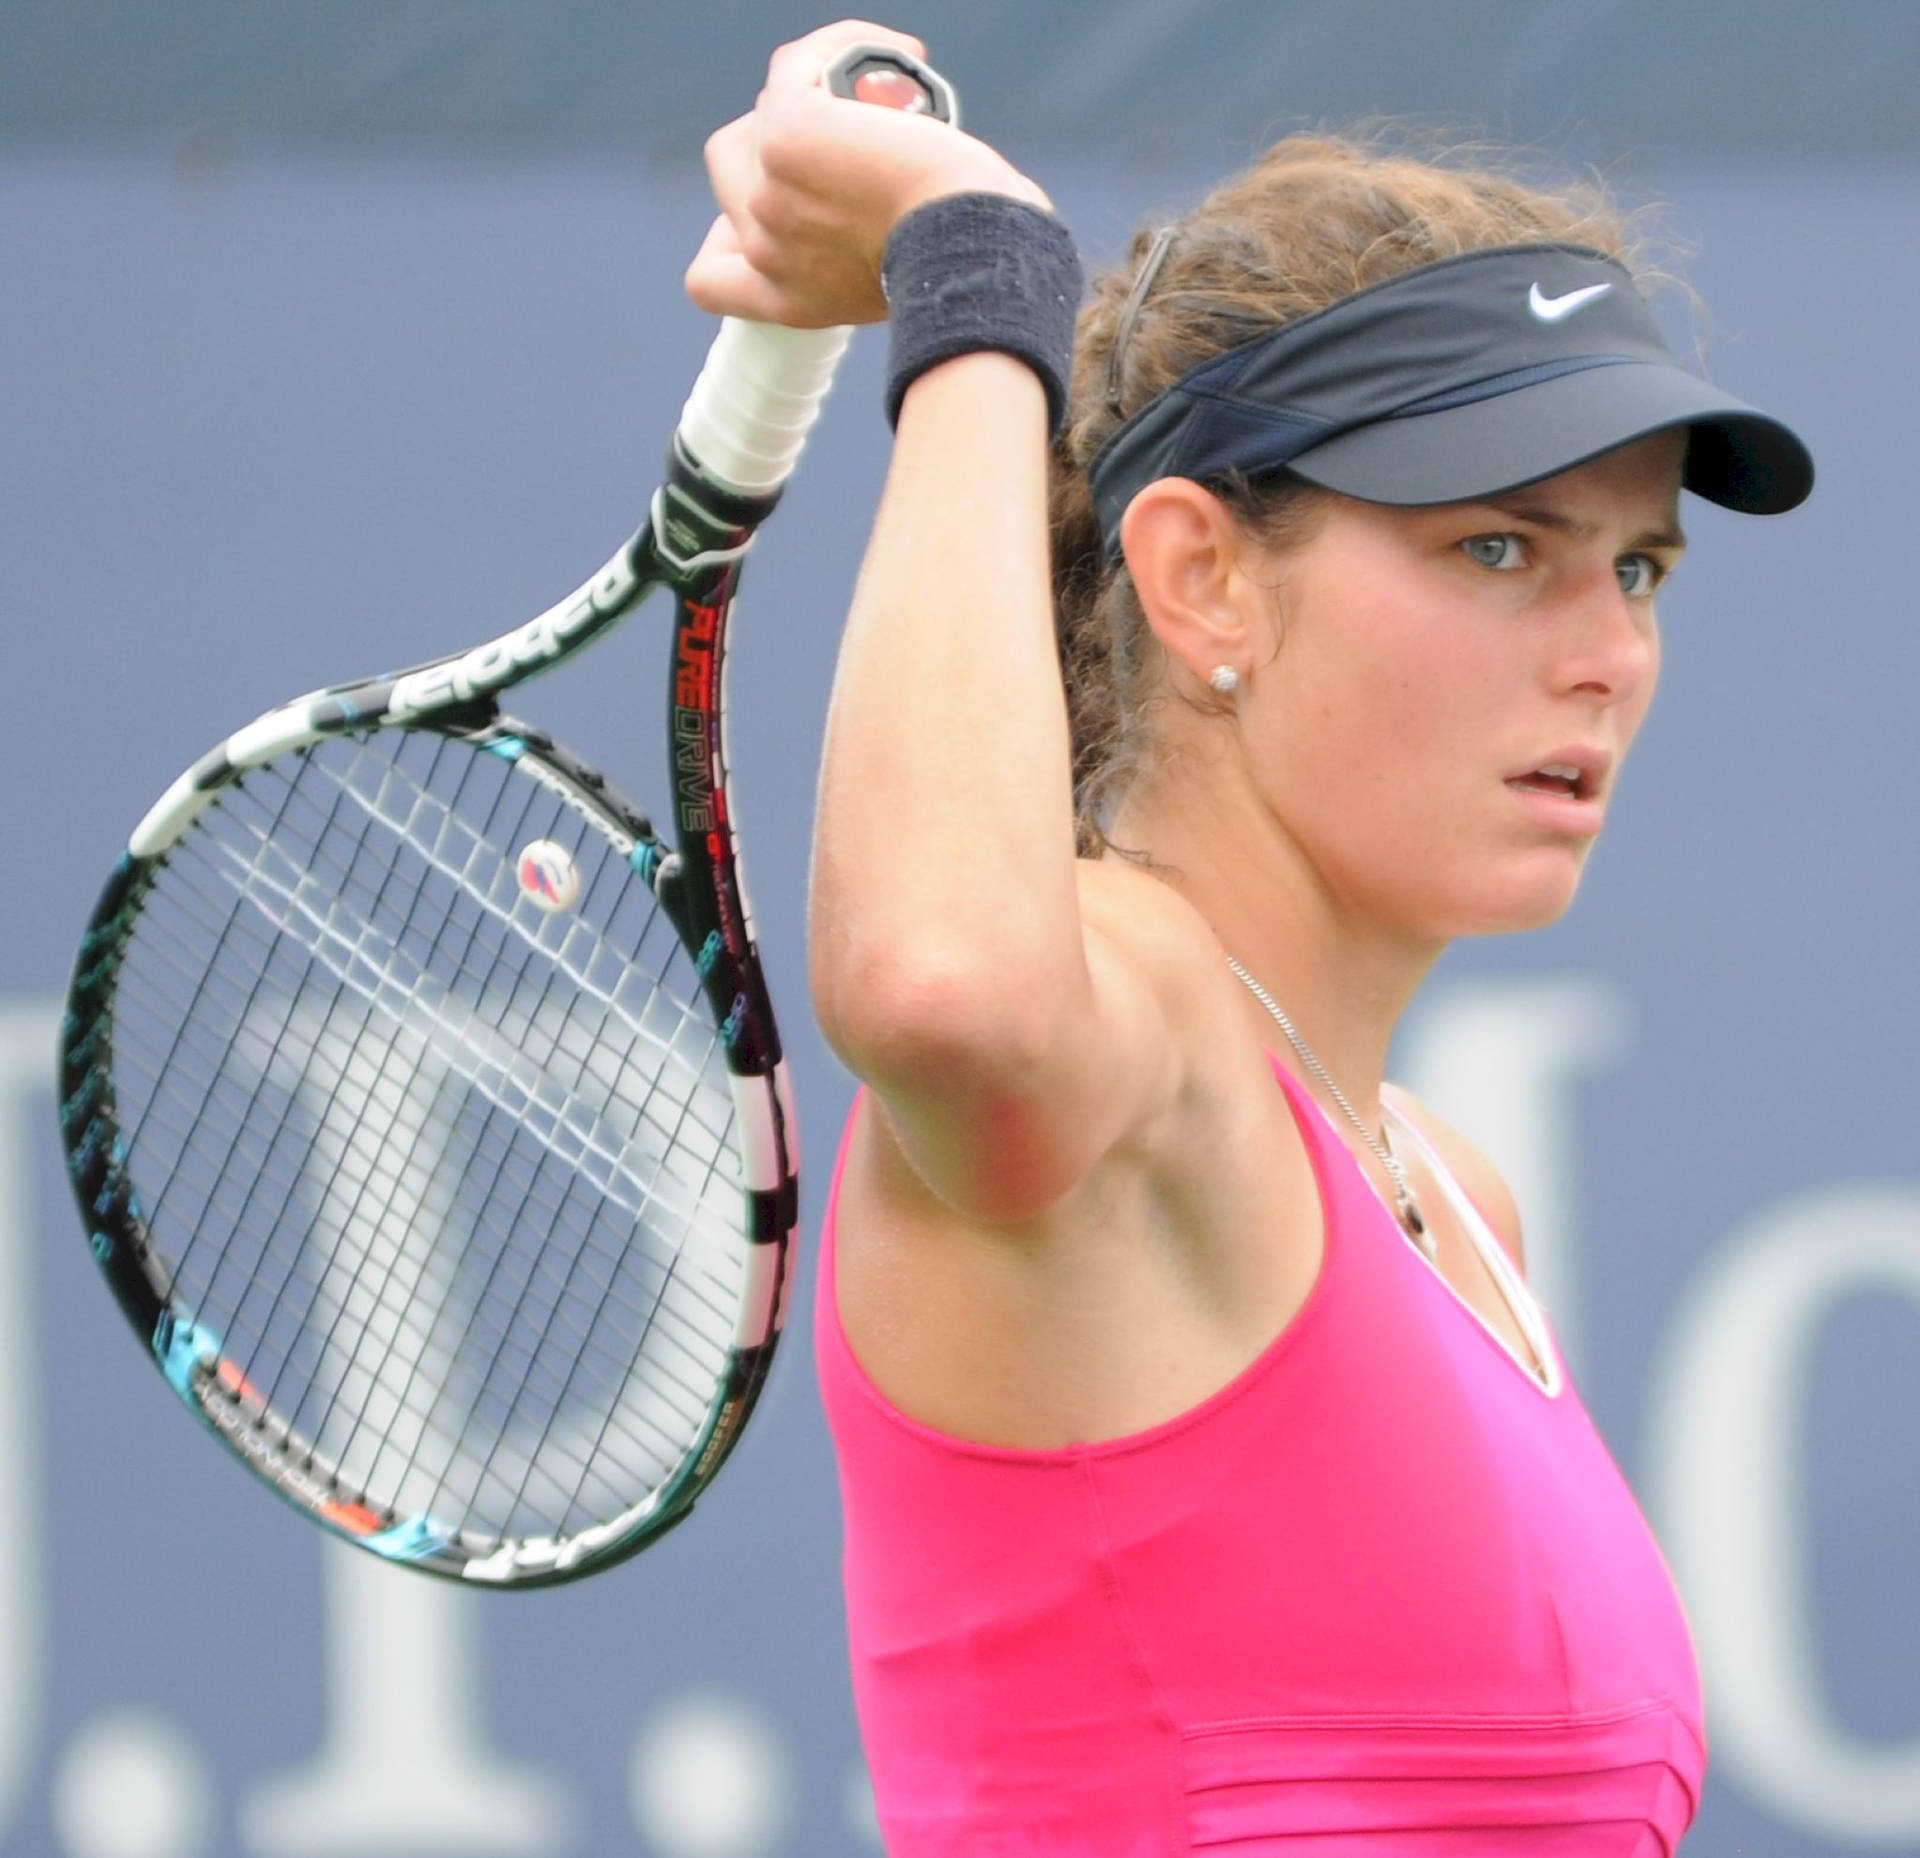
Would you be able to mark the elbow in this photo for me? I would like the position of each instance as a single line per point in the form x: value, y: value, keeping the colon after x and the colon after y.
x: 935, y: 1022
x: 976, y: 1068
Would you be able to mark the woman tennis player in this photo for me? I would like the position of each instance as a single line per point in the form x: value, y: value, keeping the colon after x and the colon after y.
x: 1211, y: 1480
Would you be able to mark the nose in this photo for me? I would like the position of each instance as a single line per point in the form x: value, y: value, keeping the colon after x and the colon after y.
x: 1609, y: 646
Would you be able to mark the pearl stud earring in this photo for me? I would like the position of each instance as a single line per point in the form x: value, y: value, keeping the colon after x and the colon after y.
x: 1225, y: 679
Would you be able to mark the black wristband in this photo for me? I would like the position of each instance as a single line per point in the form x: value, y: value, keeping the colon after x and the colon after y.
x: 969, y: 272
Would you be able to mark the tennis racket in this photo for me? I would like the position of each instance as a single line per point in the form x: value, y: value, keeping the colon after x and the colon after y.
x: 424, y: 1107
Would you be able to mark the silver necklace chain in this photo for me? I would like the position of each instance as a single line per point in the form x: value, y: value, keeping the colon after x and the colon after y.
x: 1405, y: 1204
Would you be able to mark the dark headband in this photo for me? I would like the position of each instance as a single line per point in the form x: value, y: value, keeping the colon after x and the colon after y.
x: 1454, y: 382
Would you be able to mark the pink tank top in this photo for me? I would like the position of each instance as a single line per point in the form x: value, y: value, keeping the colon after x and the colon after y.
x: 1384, y: 1593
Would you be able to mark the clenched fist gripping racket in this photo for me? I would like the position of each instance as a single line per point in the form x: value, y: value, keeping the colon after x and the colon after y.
x: 425, y: 1109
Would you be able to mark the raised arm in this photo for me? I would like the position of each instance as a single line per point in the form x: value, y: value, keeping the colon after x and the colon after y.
x: 959, y: 960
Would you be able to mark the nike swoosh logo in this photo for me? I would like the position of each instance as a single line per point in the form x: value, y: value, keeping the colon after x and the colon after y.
x: 1557, y: 309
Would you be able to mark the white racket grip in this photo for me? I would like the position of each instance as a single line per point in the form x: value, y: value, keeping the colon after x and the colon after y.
x: 756, y: 400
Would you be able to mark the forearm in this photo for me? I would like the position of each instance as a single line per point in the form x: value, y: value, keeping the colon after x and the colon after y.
x: 943, y: 886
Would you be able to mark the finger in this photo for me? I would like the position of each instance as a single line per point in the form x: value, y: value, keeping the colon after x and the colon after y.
x: 723, y: 278
x: 715, y: 278
x: 812, y: 112
x: 722, y: 238
x: 733, y: 165
x: 725, y: 284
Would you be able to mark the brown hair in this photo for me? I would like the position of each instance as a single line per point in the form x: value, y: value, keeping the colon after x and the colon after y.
x: 1314, y: 219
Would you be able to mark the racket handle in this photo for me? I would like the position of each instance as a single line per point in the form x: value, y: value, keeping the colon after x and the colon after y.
x: 895, y: 80
x: 747, y: 419
x: 756, y: 400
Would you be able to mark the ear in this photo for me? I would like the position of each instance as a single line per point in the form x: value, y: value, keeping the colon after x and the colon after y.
x: 1189, y: 558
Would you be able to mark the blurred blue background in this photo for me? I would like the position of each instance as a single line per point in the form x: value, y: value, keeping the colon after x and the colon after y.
x: 335, y: 336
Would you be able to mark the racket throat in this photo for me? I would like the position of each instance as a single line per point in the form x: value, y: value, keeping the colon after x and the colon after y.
x: 700, y: 525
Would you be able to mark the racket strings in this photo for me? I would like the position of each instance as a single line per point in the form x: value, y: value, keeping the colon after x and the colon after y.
x: 417, y: 1354
x: 555, y: 1307
x: 246, y: 1218
x: 451, y: 1179
x: 320, y: 840
x: 404, y: 1165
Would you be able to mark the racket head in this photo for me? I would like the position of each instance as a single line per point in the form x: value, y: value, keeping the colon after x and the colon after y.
x: 445, y: 1169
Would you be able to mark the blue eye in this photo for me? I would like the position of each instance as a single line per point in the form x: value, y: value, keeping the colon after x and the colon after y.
x: 1638, y: 575
x: 1501, y: 552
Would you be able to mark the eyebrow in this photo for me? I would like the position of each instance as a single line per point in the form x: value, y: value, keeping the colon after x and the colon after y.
x: 1560, y: 523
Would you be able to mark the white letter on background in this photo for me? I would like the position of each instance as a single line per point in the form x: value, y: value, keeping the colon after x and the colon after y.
x: 1725, y: 1429
x: 405, y: 1767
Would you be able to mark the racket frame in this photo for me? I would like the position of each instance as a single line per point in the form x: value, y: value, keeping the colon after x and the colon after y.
x: 694, y: 542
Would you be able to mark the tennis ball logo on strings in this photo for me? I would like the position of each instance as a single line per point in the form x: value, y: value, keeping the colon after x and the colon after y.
x: 549, y: 875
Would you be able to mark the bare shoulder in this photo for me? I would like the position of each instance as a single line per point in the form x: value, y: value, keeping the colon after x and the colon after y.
x: 1478, y: 1177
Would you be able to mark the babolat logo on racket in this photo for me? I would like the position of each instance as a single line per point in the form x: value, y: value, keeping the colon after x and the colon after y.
x: 548, y: 875
x: 504, y: 660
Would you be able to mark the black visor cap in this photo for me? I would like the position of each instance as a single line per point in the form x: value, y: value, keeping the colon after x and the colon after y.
x: 1452, y: 382
x: 1735, y: 456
